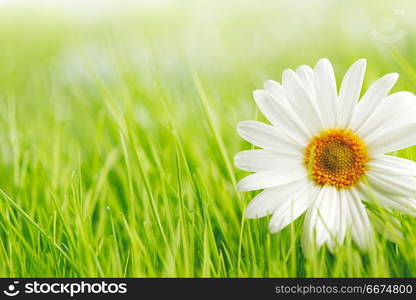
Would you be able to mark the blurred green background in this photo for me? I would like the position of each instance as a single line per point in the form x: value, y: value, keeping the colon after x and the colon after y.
x: 117, y: 129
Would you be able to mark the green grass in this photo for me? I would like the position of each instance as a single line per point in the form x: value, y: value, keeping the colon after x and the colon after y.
x: 117, y: 141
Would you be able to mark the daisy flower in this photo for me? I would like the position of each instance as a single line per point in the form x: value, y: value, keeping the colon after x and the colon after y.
x: 324, y: 153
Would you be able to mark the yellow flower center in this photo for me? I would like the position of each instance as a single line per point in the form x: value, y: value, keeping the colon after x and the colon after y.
x: 336, y: 157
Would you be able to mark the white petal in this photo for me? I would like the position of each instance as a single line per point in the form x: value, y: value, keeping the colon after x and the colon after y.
x: 265, y: 136
x: 344, y: 222
x: 372, y: 98
x: 394, y: 111
x: 276, y: 89
x: 303, y: 103
x: 392, y: 165
x: 266, y: 202
x: 305, y: 74
x: 322, y: 219
x: 392, y: 140
x: 350, y: 92
x: 280, y: 114
x: 262, y: 160
x: 389, y: 201
x: 361, y: 229
x: 294, y: 206
x: 270, y: 178
x: 392, y: 184
x: 326, y: 91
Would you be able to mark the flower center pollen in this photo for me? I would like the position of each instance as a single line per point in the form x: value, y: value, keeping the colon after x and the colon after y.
x: 336, y: 157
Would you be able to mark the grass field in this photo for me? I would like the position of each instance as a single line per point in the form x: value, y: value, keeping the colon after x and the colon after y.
x: 118, y: 134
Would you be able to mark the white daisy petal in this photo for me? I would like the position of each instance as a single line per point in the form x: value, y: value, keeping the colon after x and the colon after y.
x: 270, y: 178
x: 350, y: 92
x: 394, y: 139
x: 392, y: 165
x: 389, y: 201
x: 302, y: 102
x: 276, y: 89
x: 262, y: 160
x: 372, y: 98
x: 266, y: 202
x: 279, y: 113
x: 344, y: 222
x: 321, y: 221
x: 392, y: 184
x: 265, y: 136
x: 326, y: 91
x: 305, y: 74
x: 394, y: 111
x: 361, y: 228
x: 293, y: 206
